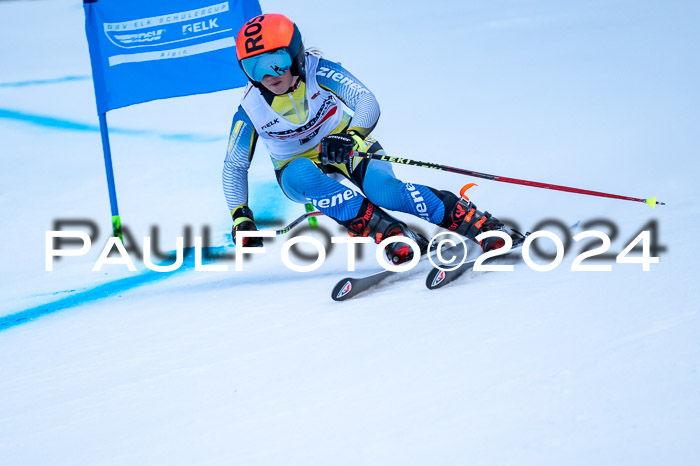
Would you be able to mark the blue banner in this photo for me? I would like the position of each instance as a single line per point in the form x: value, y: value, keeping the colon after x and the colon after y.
x: 144, y: 50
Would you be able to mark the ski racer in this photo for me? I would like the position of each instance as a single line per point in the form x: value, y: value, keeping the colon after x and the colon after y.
x: 294, y: 104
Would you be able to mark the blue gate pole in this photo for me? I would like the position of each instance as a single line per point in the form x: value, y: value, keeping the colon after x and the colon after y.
x: 116, y: 221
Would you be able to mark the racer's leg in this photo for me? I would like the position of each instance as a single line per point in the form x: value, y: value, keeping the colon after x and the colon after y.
x: 383, y: 188
x: 380, y: 185
x: 302, y: 181
x: 377, y: 180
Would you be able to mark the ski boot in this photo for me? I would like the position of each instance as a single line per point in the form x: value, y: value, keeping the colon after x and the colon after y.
x: 374, y: 222
x: 466, y: 220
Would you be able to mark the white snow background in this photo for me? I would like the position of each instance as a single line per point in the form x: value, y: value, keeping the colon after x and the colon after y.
x: 260, y: 367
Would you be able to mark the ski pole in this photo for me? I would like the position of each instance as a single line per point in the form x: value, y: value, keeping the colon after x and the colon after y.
x: 296, y: 222
x: 313, y: 222
x: 535, y: 184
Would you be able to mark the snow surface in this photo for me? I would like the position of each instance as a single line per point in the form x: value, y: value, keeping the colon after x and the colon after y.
x: 261, y: 367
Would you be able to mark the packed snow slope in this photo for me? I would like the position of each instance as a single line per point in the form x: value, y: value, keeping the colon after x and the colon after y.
x: 260, y: 367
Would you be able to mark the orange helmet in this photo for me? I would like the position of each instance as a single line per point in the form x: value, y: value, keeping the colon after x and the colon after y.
x: 269, y: 44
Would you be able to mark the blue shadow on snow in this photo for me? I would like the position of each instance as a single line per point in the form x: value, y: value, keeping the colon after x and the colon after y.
x: 68, y: 125
x: 105, y: 290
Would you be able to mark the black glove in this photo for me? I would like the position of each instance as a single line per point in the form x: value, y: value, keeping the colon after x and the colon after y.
x: 336, y: 148
x: 255, y: 242
x: 243, y: 221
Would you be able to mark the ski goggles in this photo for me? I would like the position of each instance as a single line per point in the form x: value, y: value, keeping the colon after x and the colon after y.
x: 273, y: 63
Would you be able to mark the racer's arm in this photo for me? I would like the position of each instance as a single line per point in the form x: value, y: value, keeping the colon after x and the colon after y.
x: 333, y: 77
x: 241, y: 147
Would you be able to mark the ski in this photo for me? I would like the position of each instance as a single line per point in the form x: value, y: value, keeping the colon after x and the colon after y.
x: 438, y: 278
x: 350, y: 287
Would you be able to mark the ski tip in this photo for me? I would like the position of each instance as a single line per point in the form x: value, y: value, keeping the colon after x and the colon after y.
x: 435, y: 279
x: 342, y: 290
